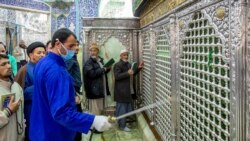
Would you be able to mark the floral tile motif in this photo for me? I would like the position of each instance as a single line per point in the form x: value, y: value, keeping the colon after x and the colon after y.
x: 26, y: 4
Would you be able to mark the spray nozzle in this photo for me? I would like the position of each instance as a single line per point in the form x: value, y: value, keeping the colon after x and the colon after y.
x: 112, y: 119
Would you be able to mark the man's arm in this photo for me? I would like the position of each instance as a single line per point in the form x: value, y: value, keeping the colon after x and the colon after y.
x: 140, y: 67
x: 20, y: 77
x: 28, y: 92
x: 62, y: 104
x: 91, y: 72
x: 119, y: 75
x: 7, y: 112
x: 4, y: 117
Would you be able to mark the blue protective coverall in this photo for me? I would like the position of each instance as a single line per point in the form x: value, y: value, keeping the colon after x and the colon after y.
x: 54, y: 116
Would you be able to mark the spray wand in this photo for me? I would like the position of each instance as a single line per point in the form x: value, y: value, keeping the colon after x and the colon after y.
x: 114, y: 119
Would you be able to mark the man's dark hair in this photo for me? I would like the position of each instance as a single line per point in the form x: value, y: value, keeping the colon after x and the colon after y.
x: 62, y: 35
x: 77, y: 42
x: 3, y: 56
x: 47, y: 44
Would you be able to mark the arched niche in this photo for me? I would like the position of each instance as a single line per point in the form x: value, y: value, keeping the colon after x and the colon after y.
x: 111, y: 49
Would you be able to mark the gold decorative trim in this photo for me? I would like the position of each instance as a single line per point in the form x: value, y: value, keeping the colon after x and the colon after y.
x: 150, y: 7
x: 157, y: 8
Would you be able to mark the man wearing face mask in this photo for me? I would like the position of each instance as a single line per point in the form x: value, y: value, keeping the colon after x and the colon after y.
x: 95, y: 81
x: 124, y: 87
x: 54, y: 116
x: 25, y: 78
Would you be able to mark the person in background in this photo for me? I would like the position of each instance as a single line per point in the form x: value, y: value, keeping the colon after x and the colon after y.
x: 77, y: 49
x: 20, y: 54
x: 74, y: 70
x: 48, y: 46
x: 54, y: 115
x: 124, y: 87
x: 11, y: 102
x: 25, y: 78
x: 95, y: 81
x: 3, y: 50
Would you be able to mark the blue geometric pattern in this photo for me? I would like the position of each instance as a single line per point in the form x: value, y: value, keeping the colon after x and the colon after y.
x: 26, y: 4
x: 89, y: 8
x: 63, y: 17
x: 71, y: 18
x: 53, y: 24
x: 60, y: 16
x: 61, y: 21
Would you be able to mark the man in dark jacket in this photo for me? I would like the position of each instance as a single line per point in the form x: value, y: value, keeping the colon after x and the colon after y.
x: 74, y: 70
x: 95, y: 81
x: 124, y: 87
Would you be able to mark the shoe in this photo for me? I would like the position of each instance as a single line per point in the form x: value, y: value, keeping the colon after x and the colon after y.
x: 126, y: 129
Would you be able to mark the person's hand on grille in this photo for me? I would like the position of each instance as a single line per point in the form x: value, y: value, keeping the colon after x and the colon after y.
x: 141, y: 65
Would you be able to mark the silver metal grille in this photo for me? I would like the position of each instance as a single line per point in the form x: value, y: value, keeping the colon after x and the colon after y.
x: 163, y: 84
x: 146, y: 73
x: 204, y: 92
x: 248, y: 97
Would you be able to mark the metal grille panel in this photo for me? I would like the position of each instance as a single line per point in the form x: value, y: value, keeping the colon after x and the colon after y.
x: 163, y: 85
x: 248, y: 81
x: 204, y: 92
x: 146, y: 73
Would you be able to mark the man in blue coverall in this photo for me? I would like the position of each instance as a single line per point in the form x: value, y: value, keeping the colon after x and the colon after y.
x: 54, y: 116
